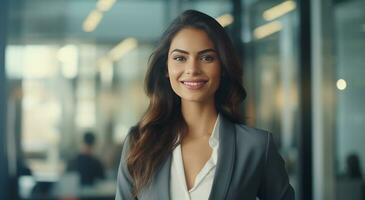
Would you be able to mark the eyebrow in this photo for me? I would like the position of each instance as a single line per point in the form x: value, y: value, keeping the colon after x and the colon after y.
x: 200, y: 52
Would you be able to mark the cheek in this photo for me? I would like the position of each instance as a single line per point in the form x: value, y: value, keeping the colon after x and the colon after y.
x: 173, y: 79
x: 216, y: 72
x: 173, y: 72
x: 173, y: 75
x: 216, y: 75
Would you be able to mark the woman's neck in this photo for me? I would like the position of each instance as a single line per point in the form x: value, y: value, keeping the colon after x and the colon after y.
x: 200, y: 118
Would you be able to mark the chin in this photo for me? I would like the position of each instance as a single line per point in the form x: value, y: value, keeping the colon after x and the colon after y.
x: 199, y: 96
x: 195, y: 98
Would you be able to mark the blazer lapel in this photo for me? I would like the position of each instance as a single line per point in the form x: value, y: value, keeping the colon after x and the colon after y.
x: 159, y: 189
x: 226, y: 159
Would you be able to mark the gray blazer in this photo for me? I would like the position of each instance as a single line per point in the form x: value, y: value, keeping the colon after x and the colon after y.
x: 248, y: 166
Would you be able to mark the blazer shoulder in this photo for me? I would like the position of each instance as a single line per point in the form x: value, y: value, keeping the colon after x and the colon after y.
x: 251, y: 131
x: 130, y: 135
x: 251, y: 135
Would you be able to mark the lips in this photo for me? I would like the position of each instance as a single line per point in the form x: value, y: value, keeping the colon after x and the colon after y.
x: 194, y: 84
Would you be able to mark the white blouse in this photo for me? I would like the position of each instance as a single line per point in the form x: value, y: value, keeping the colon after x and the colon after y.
x: 203, y: 181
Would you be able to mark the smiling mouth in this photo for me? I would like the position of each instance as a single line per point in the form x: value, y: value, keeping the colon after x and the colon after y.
x: 194, y: 85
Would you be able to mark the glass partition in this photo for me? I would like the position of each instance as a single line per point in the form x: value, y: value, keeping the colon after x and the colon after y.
x: 74, y: 68
x: 270, y: 36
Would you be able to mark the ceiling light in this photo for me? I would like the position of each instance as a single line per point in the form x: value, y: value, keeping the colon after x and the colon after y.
x: 105, y: 5
x: 279, y: 10
x: 225, y: 20
x: 122, y: 48
x: 267, y: 29
x: 92, y: 21
x: 341, y: 84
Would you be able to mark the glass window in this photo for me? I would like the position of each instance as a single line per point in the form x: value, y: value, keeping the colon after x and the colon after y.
x: 271, y: 74
x: 78, y: 67
x: 349, y: 39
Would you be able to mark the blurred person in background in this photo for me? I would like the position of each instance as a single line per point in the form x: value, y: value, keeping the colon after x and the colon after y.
x: 191, y: 143
x: 353, y: 168
x: 86, y: 164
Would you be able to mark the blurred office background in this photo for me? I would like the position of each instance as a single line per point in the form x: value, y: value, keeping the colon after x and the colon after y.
x: 72, y: 66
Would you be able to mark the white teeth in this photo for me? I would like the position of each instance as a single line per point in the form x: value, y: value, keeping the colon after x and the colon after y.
x: 193, y: 83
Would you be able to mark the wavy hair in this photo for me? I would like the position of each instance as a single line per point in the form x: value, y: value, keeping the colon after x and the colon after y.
x: 161, y: 127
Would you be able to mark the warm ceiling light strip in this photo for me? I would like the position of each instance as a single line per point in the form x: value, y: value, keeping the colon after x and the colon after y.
x: 122, y: 48
x: 95, y: 16
x: 225, y: 20
x: 105, y: 5
x: 92, y: 21
x: 279, y: 10
x: 267, y: 29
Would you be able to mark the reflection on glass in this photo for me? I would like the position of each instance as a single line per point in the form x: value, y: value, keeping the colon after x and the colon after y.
x: 349, y: 42
x: 272, y: 75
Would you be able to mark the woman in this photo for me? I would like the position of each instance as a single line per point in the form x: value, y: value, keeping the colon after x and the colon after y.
x: 191, y: 143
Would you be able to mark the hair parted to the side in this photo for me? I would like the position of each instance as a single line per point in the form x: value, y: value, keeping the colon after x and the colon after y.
x: 159, y: 130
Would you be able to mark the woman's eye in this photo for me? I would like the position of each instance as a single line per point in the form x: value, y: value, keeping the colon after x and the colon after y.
x: 179, y: 58
x: 207, y: 58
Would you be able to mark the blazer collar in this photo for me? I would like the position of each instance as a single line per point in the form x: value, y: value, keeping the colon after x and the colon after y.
x: 159, y: 188
x: 160, y: 185
x: 226, y: 159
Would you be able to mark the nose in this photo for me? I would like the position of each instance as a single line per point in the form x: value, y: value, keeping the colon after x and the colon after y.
x: 193, y: 67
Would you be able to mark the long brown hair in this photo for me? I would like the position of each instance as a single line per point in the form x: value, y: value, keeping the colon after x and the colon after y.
x: 157, y: 133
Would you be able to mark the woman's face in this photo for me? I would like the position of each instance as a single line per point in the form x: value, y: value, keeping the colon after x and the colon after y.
x: 193, y: 66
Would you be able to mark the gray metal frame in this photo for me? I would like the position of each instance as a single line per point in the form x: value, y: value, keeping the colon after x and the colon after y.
x: 5, y: 188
